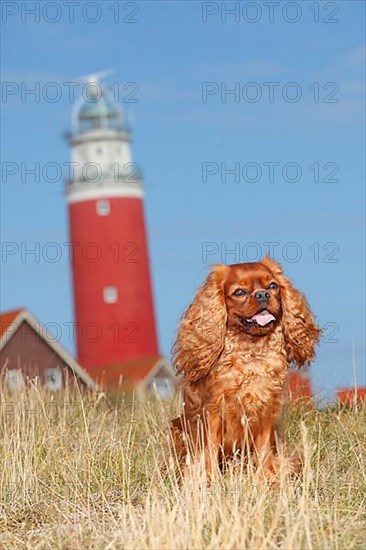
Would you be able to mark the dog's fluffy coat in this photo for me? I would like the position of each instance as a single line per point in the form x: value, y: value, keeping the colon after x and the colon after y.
x: 233, y: 370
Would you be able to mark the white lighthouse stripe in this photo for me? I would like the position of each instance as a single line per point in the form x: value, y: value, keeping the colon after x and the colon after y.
x: 80, y: 195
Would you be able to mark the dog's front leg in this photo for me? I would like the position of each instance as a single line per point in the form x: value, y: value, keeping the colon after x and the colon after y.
x: 211, y: 446
x: 265, y: 449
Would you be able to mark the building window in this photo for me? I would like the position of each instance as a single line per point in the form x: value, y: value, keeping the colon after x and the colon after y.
x: 103, y: 207
x: 162, y: 388
x: 53, y: 379
x: 14, y: 379
x: 110, y: 294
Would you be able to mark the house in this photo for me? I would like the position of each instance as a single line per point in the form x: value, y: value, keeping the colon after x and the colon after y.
x: 144, y: 375
x: 352, y: 396
x: 29, y: 351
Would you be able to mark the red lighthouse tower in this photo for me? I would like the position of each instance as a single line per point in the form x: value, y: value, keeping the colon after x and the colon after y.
x: 113, y: 300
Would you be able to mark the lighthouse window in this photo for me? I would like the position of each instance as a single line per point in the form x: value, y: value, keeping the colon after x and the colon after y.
x: 110, y: 294
x: 103, y: 207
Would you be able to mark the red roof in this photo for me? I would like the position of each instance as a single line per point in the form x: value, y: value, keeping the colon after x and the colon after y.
x: 349, y: 396
x: 129, y: 373
x: 299, y: 386
x: 7, y: 319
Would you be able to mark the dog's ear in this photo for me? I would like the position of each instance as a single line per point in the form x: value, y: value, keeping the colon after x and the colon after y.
x: 201, y: 334
x: 299, y: 326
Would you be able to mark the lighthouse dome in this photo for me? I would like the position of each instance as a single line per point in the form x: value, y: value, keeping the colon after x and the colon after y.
x: 98, y: 111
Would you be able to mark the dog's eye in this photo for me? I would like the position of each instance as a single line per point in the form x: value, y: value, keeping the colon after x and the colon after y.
x: 273, y: 285
x: 240, y: 292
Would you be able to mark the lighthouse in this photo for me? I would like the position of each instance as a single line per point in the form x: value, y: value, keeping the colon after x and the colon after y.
x: 113, y: 300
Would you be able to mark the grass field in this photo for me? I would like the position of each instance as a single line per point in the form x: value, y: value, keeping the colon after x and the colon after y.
x: 79, y: 472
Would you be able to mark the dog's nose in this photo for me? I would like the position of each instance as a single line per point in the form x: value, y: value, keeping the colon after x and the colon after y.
x: 262, y: 296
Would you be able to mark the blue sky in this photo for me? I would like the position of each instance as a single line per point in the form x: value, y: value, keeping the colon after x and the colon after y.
x: 170, y: 53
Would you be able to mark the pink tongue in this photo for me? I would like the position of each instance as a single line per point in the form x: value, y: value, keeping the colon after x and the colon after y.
x: 263, y: 318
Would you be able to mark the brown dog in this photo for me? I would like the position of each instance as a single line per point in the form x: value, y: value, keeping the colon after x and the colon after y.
x: 246, y: 325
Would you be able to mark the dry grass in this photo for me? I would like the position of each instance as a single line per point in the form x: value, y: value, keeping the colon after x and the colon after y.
x: 78, y: 472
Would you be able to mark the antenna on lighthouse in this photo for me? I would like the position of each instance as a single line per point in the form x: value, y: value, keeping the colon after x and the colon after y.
x: 94, y: 78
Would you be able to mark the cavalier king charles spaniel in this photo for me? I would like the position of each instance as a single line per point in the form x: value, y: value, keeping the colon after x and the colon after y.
x: 245, y: 327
